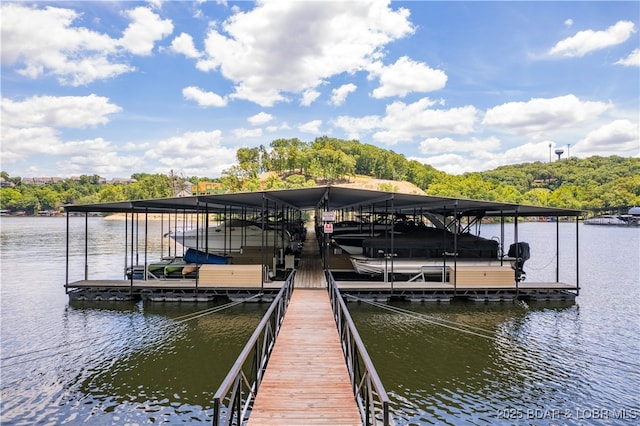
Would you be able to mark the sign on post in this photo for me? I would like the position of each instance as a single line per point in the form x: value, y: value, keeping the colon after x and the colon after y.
x: 328, y: 228
x: 329, y: 216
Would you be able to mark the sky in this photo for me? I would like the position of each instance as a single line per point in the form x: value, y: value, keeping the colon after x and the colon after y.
x: 120, y: 87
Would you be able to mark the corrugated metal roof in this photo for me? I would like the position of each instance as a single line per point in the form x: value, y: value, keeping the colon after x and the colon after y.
x: 337, y: 198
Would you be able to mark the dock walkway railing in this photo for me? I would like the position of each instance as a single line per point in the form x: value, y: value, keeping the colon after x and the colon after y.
x: 239, y: 388
x: 370, y: 394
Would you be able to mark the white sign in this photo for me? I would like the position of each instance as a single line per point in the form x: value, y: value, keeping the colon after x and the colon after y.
x: 328, y: 216
x: 328, y: 228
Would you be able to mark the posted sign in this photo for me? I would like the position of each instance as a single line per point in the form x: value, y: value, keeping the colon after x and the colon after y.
x: 328, y: 216
x: 328, y: 228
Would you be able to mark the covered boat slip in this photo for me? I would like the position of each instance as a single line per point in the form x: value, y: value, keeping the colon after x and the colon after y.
x: 378, y: 216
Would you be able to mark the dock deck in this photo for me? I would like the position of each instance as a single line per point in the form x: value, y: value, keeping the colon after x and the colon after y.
x: 306, y: 381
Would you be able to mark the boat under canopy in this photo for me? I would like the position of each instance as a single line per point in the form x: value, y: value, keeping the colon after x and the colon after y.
x: 404, y: 232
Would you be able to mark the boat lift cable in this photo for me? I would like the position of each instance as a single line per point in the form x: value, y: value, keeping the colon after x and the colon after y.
x: 429, y: 319
x: 552, y: 259
x: 442, y: 322
x: 176, y: 321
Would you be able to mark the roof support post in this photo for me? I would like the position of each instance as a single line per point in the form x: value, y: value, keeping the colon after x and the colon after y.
x: 557, y: 249
x: 66, y: 284
x: 86, y: 246
x: 131, y: 259
x: 515, y: 234
x: 197, y: 242
x: 577, y: 256
x: 146, y: 240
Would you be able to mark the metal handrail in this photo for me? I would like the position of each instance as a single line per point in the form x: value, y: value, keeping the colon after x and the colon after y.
x: 240, y: 386
x: 370, y: 394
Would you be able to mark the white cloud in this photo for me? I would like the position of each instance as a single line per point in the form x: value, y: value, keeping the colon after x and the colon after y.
x: 620, y: 137
x: 272, y: 49
x: 311, y: 127
x: 474, y: 145
x: 407, y: 76
x: 354, y: 127
x: 633, y: 60
x: 202, y: 98
x: 247, y: 133
x: 107, y: 163
x: 403, y: 122
x: 568, y: 23
x: 339, y: 95
x: 29, y: 127
x: 309, y: 96
x: 451, y: 163
x: 156, y: 4
x: 193, y: 153
x: 51, y: 111
x: 183, y: 44
x: 145, y: 29
x: 279, y: 127
x: 260, y: 119
x: 459, y: 162
x: 45, y: 41
x: 406, y: 122
x: 585, y: 42
x: 540, y: 114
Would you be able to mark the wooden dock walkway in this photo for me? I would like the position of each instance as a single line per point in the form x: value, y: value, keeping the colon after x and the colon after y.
x: 309, y: 273
x: 306, y: 381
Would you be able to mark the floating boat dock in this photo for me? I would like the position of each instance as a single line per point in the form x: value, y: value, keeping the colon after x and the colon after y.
x: 305, y: 362
x: 263, y: 269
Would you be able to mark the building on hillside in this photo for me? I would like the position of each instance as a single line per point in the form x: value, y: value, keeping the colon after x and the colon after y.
x: 186, y: 190
x: 122, y: 181
x: 208, y: 188
x: 6, y: 183
x: 42, y: 180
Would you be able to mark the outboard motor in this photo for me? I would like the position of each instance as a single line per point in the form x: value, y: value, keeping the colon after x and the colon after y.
x: 520, y: 252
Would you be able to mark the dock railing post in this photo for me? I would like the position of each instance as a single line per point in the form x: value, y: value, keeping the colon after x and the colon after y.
x: 238, y: 387
x: 371, y: 397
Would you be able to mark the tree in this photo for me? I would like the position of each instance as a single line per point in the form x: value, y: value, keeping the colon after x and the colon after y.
x: 9, y: 198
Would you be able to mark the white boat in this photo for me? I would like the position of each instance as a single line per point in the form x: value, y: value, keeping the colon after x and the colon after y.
x: 616, y: 220
x: 377, y: 266
x: 234, y: 235
x: 432, y: 251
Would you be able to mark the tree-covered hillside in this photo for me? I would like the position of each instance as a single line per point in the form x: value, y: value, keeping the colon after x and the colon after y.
x: 591, y: 183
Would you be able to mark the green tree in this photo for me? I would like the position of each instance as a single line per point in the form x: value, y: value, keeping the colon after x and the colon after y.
x: 110, y: 193
x: 9, y: 198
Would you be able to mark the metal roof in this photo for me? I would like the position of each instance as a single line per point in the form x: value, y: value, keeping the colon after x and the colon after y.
x: 336, y: 198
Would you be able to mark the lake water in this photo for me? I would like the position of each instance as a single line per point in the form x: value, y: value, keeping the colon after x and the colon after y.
x: 68, y: 362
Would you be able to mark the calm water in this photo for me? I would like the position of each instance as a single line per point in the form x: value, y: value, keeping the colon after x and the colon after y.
x: 120, y: 362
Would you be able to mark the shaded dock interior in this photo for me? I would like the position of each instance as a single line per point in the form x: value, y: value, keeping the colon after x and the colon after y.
x: 262, y: 269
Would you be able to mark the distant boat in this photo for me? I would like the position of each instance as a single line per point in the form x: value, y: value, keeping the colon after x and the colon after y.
x: 631, y: 219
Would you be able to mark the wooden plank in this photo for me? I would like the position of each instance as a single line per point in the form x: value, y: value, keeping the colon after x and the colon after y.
x: 309, y: 273
x: 484, y: 276
x: 306, y: 381
x: 231, y: 275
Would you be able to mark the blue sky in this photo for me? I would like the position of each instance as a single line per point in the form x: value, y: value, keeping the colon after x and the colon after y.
x: 114, y: 88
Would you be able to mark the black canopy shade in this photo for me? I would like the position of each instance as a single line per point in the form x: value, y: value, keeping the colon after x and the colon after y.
x: 327, y: 198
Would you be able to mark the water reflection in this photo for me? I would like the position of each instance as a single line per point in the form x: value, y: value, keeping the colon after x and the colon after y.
x: 104, y: 362
x: 130, y: 363
x: 469, y: 363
